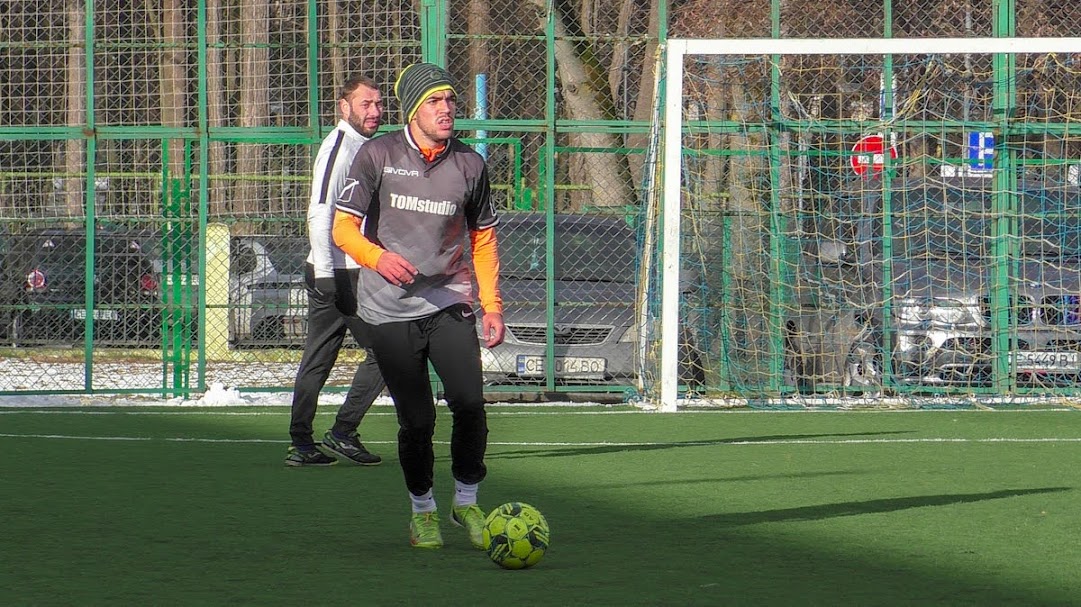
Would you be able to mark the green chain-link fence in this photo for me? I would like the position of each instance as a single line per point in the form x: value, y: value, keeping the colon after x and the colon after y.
x: 185, y: 129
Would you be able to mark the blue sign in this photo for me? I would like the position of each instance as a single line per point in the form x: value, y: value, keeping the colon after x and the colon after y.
x: 981, y: 151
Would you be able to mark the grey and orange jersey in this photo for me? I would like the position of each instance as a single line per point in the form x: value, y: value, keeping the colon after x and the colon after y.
x: 332, y: 164
x: 422, y: 211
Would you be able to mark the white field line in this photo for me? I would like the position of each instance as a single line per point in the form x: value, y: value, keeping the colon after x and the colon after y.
x: 501, y: 410
x: 571, y: 444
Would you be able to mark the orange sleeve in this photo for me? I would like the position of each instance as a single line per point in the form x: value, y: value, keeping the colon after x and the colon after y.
x: 486, y: 265
x: 349, y: 238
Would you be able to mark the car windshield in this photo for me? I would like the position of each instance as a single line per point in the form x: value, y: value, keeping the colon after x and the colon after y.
x: 586, y: 251
x: 950, y: 222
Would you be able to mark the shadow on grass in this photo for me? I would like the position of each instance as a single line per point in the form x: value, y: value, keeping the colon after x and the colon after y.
x: 894, y: 504
x: 679, y: 482
x: 572, y: 450
x: 225, y: 523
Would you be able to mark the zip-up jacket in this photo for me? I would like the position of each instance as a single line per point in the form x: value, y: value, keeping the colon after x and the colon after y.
x: 427, y: 212
x: 332, y: 163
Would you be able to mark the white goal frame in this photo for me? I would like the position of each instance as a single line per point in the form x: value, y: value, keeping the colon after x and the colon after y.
x: 675, y: 49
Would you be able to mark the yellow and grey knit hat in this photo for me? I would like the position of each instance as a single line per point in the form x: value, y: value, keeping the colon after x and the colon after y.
x: 417, y: 82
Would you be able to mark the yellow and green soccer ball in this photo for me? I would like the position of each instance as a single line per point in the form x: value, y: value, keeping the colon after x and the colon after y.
x: 515, y: 535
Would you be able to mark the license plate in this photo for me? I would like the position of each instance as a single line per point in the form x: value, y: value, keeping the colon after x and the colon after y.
x: 564, y: 365
x: 1046, y: 361
x: 80, y: 314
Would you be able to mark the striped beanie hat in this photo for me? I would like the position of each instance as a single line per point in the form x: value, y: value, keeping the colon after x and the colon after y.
x: 417, y: 82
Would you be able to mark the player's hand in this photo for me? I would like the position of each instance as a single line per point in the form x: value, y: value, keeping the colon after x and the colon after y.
x: 395, y: 269
x: 493, y: 328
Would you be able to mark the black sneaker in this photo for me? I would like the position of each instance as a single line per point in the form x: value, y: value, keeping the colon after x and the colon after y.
x: 315, y: 457
x: 350, y: 448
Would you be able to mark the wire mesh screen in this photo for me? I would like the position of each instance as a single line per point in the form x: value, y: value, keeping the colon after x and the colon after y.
x: 186, y: 130
x: 910, y: 227
x: 195, y: 121
x: 38, y: 63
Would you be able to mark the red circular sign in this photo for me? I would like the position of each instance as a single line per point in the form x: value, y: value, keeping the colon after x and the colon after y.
x: 870, y: 153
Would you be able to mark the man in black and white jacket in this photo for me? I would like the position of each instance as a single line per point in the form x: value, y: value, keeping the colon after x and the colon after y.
x: 331, y: 277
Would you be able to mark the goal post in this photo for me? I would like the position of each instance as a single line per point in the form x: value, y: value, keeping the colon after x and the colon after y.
x: 843, y: 130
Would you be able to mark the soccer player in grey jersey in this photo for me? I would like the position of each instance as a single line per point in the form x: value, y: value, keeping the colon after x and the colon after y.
x: 416, y: 198
x: 331, y: 277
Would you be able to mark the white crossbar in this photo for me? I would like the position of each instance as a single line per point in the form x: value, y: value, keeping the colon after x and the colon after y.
x: 871, y: 46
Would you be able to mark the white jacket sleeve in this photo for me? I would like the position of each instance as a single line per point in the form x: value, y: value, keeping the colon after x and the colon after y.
x: 321, y: 204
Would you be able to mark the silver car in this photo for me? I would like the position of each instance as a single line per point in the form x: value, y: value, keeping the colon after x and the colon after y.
x: 593, y: 327
x: 977, y: 289
x: 268, y: 302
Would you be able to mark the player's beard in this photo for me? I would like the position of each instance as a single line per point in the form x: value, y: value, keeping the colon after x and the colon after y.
x: 361, y: 128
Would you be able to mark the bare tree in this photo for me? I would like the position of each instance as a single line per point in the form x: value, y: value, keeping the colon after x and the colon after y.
x: 719, y: 93
x: 643, y: 106
x: 479, y: 29
x: 172, y: 76
x: 75, y: 149
x: 337, y: 60
x: 254, y: 104
x: 215, y: 108
x: 605, y: 173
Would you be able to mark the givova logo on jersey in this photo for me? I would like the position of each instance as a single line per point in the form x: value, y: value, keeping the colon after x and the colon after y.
x: 423, y: 205
x: 401, y: 172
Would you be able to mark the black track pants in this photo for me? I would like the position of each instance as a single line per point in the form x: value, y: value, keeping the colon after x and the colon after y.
x: 326, y: 333
x: 448, y: 339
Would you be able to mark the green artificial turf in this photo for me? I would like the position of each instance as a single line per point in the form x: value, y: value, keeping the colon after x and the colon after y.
x: 185, y: 506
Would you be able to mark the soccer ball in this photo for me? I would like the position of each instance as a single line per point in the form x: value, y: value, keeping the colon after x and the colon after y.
x: 515, y: 535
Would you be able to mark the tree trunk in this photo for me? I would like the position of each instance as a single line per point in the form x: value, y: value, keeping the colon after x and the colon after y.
x: 643, y: 105
x: 620, y: 49
x: 254, y: 105
x: 747, y: 257
x: 337, y: 61
x: 75, y: 149
x: 479, y: 28
x: 605, y: 174
x: 173, y: 89
x: 215, y: 101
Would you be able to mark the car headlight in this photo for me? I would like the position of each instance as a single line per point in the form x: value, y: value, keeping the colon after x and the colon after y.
x: 937, y: 310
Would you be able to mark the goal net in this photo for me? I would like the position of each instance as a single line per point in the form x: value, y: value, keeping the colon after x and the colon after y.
x: 877, y: 221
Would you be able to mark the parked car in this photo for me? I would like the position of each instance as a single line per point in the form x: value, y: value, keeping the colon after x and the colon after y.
x: 268, y: 303
x: 947, y: 326
x: 594, y: 328
x: 45, y: 282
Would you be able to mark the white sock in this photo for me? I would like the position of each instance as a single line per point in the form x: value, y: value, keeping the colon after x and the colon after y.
x: 464, y: 495
x: 423, y: 503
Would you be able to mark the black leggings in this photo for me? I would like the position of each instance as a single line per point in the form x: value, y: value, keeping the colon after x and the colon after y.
x: 448, y: 340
